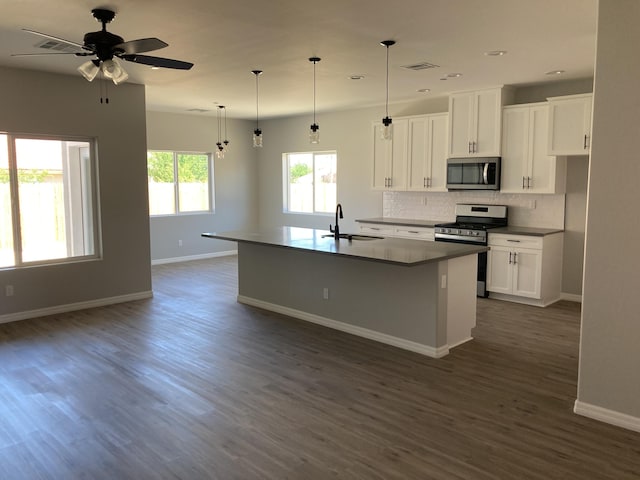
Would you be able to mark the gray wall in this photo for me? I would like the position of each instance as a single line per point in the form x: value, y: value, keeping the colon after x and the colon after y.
x: 574, y: 224
x: 235, y: 179
x: 37, y: 102
x: 347, y: 132
x: 610, y: 340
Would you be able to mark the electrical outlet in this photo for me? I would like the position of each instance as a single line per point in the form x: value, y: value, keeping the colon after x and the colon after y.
x: 532, y: 204
x: 424, y: 201
x: 443, y: 281
x: 325, y: 293
x: 179, y: 243
x: 8, y: 290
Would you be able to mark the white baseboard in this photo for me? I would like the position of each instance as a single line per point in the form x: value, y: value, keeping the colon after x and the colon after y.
x: 572, y: 297
x: 202, y: 256
x: 434, y: 352
x: 70, y: 307
x: 608, y: 416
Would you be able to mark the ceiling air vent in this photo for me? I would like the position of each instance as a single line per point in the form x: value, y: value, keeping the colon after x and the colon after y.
x: 60, y: 47
x: 420, y: 66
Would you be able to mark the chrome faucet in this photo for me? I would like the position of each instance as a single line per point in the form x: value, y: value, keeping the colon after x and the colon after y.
x: 336, y: 231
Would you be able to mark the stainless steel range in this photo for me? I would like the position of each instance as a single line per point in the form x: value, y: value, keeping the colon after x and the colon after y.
x: 470, y: 227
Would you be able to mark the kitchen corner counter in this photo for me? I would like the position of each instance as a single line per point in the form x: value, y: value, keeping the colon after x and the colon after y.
x: 407, y: 222
x: 531, y: 231
x: 383, y: 250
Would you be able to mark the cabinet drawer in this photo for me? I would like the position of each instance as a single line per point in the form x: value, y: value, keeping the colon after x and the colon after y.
x: 515, y: 241
x: 419, y: 233
x: 376, y: 229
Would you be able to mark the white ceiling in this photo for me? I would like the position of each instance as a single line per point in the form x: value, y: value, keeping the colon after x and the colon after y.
x: 226, y: 39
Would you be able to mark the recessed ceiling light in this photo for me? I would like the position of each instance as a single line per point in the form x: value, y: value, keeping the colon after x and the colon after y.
x: 155, y: 68
x: 555, y: 72
x: 496, y: 53
x: 454, y: 75
x: 423, y: 90
x: 356, y: 77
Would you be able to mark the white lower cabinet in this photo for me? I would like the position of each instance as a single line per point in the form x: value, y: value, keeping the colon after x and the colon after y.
x: 397, y: 231
x: 525, y: 269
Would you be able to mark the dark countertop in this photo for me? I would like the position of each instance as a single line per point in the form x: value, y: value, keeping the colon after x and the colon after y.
x: 401, y: 221
x: 395, y: 251
x: 510, y: 230
x: 532, y: 231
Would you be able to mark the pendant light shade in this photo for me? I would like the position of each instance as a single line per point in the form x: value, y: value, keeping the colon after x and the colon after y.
x: 90, y: 69
x: 387, y: 123
x: 314, y: 134
x: 257, y: 133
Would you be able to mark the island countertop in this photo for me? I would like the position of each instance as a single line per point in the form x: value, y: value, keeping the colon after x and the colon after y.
x: 386, y: 250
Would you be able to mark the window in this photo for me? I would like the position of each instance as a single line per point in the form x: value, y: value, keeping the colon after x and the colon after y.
x: 310, y: 182
x: 179, y: 182
x: 47, y: 199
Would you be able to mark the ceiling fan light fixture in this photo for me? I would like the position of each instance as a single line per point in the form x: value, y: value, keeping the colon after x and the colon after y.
x: 89, y: 69
x: 113, y: 70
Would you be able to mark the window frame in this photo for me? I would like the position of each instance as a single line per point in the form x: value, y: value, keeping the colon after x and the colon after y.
x: 287, y: 188
x: 176, y: 184
x: 14, y: 194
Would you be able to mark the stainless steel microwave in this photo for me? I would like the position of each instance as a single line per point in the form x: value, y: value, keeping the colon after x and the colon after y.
x: 476, y: 173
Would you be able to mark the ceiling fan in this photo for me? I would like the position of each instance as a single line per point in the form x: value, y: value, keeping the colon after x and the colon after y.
x: 108, y: 47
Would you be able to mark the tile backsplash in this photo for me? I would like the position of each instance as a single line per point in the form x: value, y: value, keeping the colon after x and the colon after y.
x: 542, y: 211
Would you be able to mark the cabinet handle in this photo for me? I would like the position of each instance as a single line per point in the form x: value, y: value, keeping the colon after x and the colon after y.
x: 528, y: 182
x: 412, y: 231
x: 390, y: 181
x: 584, y: 144
x: 374, y: 228
x: 523, y: 181
x: 515, y: 256
x: 510, y: 253
x: 429, y: 182
x: 475, y: 147
x: 514, y: 241
x: 424, y: 182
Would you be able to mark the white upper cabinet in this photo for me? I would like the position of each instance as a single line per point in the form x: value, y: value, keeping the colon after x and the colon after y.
x: 526, y: 166
x: 475, y: 123
x: 390, y: 157
x: 570, y: 125
x: 427, y: 153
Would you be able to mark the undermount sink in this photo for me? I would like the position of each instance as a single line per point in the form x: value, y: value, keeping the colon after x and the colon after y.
x: 353, y: 236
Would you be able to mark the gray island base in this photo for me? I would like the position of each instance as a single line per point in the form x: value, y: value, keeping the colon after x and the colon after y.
x: 415, y: 295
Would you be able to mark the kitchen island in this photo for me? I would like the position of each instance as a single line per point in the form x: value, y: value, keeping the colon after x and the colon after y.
x: 420, y: 296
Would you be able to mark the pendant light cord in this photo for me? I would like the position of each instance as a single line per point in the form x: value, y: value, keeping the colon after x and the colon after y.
x: 256, y: 74
x: 314, y: 92
x: 225, y: 122
x: 387, y: 103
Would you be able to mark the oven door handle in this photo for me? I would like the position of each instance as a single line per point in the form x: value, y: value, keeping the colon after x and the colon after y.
x: 485, y: 173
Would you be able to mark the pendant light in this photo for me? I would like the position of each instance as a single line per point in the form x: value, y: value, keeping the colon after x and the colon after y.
x: 314, y: 134
x: 257, y: 133
x: 387, y: 127
x: 220, y: 148
x: 225, y: 143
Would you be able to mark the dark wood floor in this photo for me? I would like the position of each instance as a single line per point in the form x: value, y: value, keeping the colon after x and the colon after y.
x: 192, y: 385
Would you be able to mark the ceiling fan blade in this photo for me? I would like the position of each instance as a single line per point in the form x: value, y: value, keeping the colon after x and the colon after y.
x: 157, y: 61
x: 77, y: 54
x: 46, y: 35
x: 141, y: 45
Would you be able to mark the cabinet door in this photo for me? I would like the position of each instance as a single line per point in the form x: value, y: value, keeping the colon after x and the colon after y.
x: 461, y: 111
x: 419, y: 164
x: 399, y: 155
x: 542, y: 167
x: 499, y: 270
x: 438, y: 134
x: 527, y: 268
x: 488, y: 117
x: 569, y: 123
x: 515, y: 149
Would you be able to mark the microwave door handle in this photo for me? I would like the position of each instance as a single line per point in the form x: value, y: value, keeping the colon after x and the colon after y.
x: 485, y: 173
